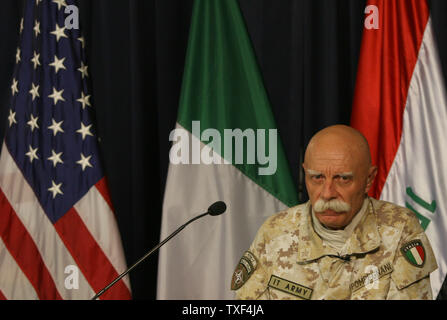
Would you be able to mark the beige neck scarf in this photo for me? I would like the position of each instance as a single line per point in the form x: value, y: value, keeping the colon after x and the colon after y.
x: 337, y: 238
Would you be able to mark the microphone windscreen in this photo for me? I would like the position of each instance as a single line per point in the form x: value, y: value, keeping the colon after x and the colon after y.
x: 217, y: 208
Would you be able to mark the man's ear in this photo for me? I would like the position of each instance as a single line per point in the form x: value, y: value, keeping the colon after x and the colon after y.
x: 372, y: 172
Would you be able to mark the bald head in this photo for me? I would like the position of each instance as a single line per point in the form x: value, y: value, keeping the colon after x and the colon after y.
x: 340, y: 139
x: 339, y: 174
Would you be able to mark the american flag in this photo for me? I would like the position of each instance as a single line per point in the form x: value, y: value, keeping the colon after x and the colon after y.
x: 59, y: 238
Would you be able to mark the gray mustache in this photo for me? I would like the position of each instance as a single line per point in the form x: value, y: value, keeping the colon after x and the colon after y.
x: 335, y: 205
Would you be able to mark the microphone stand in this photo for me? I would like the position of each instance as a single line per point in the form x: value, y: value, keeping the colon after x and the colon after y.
x: 147, y: 255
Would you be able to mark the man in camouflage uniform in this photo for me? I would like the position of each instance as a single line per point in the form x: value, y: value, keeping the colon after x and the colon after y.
x: 341, y: 244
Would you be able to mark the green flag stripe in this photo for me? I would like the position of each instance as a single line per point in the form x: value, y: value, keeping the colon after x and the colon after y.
x: 410, y: 257
x: 223, y: 89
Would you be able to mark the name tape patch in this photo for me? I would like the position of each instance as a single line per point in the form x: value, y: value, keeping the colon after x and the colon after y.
x: 290, y: 287
x: 373, y: 275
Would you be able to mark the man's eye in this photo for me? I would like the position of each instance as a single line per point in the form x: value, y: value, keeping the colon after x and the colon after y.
x: 345, y: 178
x: 317, y: 177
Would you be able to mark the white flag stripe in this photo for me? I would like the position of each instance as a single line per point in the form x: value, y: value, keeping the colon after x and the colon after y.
x: 51, y: 248
x: 95, y: 212
x: 14, y: 283
x: 420, y: 159
x: 198, y: 263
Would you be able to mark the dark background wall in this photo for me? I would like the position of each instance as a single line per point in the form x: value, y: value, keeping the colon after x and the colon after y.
x: 307, y: 51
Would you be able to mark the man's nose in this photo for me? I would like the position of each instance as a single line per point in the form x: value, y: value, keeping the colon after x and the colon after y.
x: 328, y: 192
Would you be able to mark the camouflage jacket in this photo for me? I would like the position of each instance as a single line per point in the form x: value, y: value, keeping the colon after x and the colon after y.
x: 388, y: 256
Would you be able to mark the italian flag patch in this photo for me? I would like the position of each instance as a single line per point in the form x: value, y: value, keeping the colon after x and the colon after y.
x: 414, y: 252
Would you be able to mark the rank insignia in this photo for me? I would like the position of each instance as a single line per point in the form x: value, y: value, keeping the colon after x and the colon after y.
x: 247, y: 265
x: 414, y: 253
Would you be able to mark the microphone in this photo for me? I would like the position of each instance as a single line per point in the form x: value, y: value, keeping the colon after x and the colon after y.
x: 217, y: 208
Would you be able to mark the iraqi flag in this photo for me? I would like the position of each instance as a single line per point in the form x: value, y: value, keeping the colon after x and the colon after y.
x: 400, y: 105
x: 225, y: 147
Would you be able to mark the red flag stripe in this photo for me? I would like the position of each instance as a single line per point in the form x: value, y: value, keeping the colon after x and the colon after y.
x: 89, y: 257
x: 2, y: 296
x: 101, y: 185
x: 23, y: 249
x: 14, y: 284
x: 104, y: 230
x: 421, y: 252
x: 387, y: 60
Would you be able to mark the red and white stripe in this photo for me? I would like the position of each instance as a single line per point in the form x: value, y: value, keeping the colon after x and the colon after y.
x: 400, y: 105
x: 34, y: 253
x: 418, y: 254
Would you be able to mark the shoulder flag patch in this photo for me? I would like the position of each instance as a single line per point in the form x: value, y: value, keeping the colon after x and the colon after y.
x: 414, y: 252
x: 247, y: 265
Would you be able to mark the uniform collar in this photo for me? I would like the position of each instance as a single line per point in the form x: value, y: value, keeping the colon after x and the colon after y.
x: 364, y: 238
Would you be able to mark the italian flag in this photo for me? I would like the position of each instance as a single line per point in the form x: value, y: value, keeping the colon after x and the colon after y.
x: 416, y: 255
x: 400, y: 106
x: 222, y: 94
